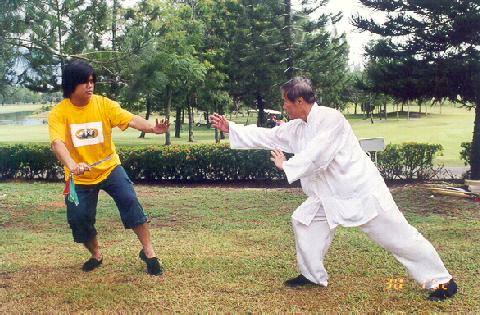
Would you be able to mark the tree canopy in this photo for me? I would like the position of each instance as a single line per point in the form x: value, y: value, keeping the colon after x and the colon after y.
x: 429, y: 50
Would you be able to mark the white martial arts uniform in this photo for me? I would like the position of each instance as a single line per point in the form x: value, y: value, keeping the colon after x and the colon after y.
x: 344, y: 188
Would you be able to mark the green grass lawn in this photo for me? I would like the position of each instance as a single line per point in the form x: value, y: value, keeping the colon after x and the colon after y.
x: 6, y: 109
x: 225, y: 250
x: 450, y: 128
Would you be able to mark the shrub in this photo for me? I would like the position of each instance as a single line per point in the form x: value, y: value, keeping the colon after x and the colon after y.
x: 192, y: 163
x: 465, y: 152
x: 409, y: 161
x: 206, y: 163
x: 31, y: 161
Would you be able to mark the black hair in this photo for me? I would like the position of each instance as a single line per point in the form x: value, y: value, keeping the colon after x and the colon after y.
x: 299, y: 87
x: 75, y: 73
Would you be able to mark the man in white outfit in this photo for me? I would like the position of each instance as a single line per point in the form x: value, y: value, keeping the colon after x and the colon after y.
x: 343, y: 187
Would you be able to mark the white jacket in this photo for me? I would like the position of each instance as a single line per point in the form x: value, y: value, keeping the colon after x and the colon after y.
x: 334, y: 171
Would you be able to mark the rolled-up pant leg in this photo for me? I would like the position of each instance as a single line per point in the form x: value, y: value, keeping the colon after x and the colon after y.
x: 312, y: 243
x: 391, y: 230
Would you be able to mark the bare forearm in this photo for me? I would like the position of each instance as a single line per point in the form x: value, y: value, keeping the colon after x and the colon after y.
x: 141, y: 124
x: 62, y: 154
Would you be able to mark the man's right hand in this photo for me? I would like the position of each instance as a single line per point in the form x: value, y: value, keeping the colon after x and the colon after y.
x: 220, y: 122
x: 80, y: 168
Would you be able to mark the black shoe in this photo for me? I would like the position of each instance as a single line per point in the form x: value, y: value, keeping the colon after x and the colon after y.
x: 444, y: 291
x: 153, y: 265
x: 298, y: 281
x: 91, y: 264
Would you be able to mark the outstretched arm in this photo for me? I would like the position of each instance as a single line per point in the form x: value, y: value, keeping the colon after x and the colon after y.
x: 63, y: 155
x: 144, y: 125
x: 253, y: 137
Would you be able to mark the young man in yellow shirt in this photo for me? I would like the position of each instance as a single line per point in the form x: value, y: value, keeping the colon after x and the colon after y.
x: 80, y: 129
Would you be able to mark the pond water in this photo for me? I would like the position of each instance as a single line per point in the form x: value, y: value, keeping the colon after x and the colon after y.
x: 21, y: 118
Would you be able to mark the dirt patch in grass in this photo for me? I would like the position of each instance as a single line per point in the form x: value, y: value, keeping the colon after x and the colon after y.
x: 50, y: 205
x: 418, y: 198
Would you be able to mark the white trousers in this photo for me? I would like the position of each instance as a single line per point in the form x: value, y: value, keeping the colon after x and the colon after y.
x: 389, y: 229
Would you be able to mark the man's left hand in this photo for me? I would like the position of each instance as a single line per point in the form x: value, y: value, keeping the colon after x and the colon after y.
x: 278, y: 158
x: 161, y: 127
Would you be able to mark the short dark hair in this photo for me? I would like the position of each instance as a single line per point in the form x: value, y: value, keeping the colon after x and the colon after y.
x: 299, y: 87
x: 75, y: 73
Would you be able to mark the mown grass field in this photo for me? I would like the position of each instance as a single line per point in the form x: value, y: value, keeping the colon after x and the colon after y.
x: 225, y: 249
x: 449, y: 128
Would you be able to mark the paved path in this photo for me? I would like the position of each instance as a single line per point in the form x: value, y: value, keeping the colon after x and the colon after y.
x: 453, y: 172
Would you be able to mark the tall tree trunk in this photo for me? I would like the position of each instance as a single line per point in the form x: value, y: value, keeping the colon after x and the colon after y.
x: 178, y: 121
x: 167, y: 114
x: 97, y: 43
x: 114, y: 80
x: 261, y: 111
x: 217, y: 138
x: 221, y: 111
x: 385, y: 107
x: 147, y: 115
x: 190, y: 117
x: 207, y: 119
x: 355, y: 111
x: 288, y: 38
x: 59, y: 25
x: 475, y: 152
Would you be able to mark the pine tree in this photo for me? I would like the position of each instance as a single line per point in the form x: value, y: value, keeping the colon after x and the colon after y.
x: 429, y: 50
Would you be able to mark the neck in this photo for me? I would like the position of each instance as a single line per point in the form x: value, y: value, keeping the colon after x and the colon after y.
x: 305, y: 111
x: 79, y: 101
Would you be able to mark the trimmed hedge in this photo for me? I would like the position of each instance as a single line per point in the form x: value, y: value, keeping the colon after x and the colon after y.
x: 31, y: 161
x: 198, y: 163
x: 192, y: 163
x: 409, y: 161
x: 206, y: 163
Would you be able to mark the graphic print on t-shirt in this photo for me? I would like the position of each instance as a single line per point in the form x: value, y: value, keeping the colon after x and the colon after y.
x: 86, y: 134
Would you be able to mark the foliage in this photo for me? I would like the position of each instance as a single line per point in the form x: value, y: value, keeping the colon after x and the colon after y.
x: 429, y: 50
x: 47, y: 33
x: 21, y: 95
x: 465, y: 152
x: 28, y: 162
x: 189, y: 163
x: 409, y: 161
x: 207, y: 163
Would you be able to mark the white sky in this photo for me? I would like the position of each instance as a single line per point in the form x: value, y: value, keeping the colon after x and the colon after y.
x: 356, y: 40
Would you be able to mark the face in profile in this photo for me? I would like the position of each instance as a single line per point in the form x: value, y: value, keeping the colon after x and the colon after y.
x: 84, y: 91
x: 292, y: 107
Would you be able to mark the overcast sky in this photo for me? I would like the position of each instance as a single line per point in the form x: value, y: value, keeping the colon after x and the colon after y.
x: 356, y: 39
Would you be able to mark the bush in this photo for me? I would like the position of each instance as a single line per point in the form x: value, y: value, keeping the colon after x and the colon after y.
x: 409, y: 161
x: 29, y: 161
x: 192, y: 163
x: 465, y: 152
x: 198, y: 163
x: 206, y: 163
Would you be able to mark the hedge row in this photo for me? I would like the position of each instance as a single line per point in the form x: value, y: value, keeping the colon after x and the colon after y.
x: 409, y: 161
x: 198, y: 163
x: 205, y: 163
x: 193, y: 163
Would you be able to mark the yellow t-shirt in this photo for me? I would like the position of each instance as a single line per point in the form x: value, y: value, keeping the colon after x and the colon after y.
x: 87, y: 134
